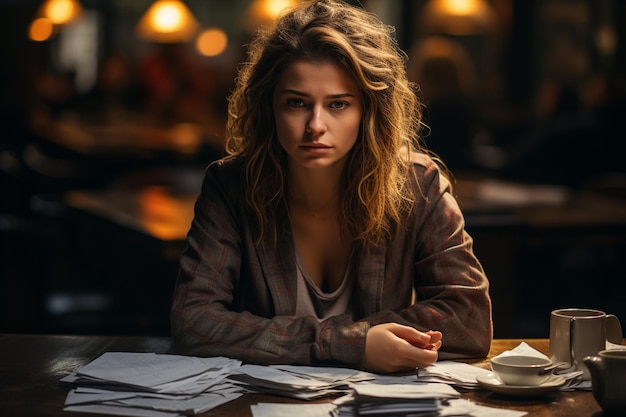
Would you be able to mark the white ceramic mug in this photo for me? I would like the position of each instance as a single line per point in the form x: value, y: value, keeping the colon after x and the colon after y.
x: 576, y: 333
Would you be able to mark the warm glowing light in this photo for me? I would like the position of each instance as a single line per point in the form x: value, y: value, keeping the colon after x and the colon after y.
x: 212, y: 42
x: 40, y: 29
x: 460, y: 7
x: 168, y: 21
x: 265, y: 12
x: 167, y: 17
x: 60, y: 11
x: 273, y: 8
x: 458, y: 17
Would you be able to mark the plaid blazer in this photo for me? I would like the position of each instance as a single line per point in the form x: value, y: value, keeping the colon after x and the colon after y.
x: 237, y: 299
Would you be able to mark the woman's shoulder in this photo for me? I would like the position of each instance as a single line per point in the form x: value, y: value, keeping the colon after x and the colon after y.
x: 227, y: 167
x: 427, y: 169
x: 421, y: 159
x: 424, y: 163
x: 227, y: 172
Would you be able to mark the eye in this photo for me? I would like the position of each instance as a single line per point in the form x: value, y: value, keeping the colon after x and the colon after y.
x: 295, y: 102
x: 338, y: 105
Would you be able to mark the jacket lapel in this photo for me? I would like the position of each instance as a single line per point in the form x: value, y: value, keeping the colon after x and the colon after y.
x: 279, y: 269
x: 370, y: 279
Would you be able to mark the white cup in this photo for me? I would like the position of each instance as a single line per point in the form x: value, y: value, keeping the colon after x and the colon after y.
x: 522, y: 370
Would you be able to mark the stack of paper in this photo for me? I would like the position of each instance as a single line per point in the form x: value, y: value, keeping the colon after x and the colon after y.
x: 292, y: 410
x: 147, y: 384
x: 301, y: 382
x: 461, y: 375
x: 400, y: 399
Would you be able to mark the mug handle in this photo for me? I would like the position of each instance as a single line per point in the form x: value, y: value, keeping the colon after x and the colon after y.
x: 613, y: 329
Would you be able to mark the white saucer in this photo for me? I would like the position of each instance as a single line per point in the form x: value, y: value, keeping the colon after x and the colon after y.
x: 493, y: 383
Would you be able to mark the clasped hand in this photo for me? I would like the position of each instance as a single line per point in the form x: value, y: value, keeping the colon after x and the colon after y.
x: 393, y: 347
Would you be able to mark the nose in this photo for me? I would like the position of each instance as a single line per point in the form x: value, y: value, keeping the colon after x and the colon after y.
x: 316, y: 125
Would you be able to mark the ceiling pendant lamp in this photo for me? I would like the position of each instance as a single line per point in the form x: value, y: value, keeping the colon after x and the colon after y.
x: 60, y: 12
x: 265, y: 12
x: 168, y: 21
x: 458, y: 17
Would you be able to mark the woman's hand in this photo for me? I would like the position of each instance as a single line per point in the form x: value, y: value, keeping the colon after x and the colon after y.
x: 393, y: 347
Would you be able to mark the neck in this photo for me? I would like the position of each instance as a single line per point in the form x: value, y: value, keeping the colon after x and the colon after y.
x: 315, y: 190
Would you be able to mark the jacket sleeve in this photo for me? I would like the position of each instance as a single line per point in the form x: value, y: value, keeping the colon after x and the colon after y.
x: 451, y: 288
x: 217, y: 271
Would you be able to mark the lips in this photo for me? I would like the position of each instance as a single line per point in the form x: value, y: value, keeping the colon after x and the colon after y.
x: 316, y: 146
x: 316, y: 149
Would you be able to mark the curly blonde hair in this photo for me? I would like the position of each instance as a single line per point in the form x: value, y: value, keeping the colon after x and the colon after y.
x: 375, y: 192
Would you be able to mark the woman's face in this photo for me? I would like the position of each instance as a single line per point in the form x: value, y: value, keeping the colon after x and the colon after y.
x: 317, y: 109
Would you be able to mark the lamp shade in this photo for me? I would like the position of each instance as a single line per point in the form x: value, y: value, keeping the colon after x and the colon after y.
x: 60, y: 12
x: 458, y: 17
x: 168, y: 21
x: 265, y: 12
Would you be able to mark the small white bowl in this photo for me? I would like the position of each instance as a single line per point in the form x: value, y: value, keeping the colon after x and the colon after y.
x: 522, y: 370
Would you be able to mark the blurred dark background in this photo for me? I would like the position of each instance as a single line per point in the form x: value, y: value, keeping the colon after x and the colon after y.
x: 107, y: 123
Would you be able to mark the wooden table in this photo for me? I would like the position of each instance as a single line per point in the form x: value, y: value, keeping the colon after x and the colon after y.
x: 32, y: 365
x: 126, y: 135
x: 152, y: 211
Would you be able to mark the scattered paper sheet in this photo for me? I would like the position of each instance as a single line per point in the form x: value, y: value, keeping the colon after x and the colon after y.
x: 458, y: 374
x: 119, y: 411
x: 404, y: 391
x: 292, y: 410
x: 460, y: 407
x: 149, y: 370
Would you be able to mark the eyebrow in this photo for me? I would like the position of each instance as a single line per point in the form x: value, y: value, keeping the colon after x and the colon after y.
x: 300, y: 93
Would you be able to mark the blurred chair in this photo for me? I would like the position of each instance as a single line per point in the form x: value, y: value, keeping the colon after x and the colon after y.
x: 444, y: 73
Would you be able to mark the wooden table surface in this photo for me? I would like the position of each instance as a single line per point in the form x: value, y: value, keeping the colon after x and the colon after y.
x: 32, y: 365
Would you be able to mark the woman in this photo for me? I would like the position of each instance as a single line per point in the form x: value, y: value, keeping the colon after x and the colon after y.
x: 328, y: 236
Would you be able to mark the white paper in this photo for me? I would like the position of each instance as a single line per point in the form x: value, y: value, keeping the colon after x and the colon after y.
x: 462, y: 407
x: 146, y: 370
x: 327, y: 373
x: 456, y: 373
x: 120, y: 411
x: 405, y: 391
x: 292, y: 410
x: 194, y: 405
x: 268, y: 378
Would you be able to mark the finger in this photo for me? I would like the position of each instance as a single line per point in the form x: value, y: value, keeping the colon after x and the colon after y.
x: 417, y: 356
x: 422, y: 358
x: 410, y: 334
x: 435, y: 338
x: 434, y: 335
